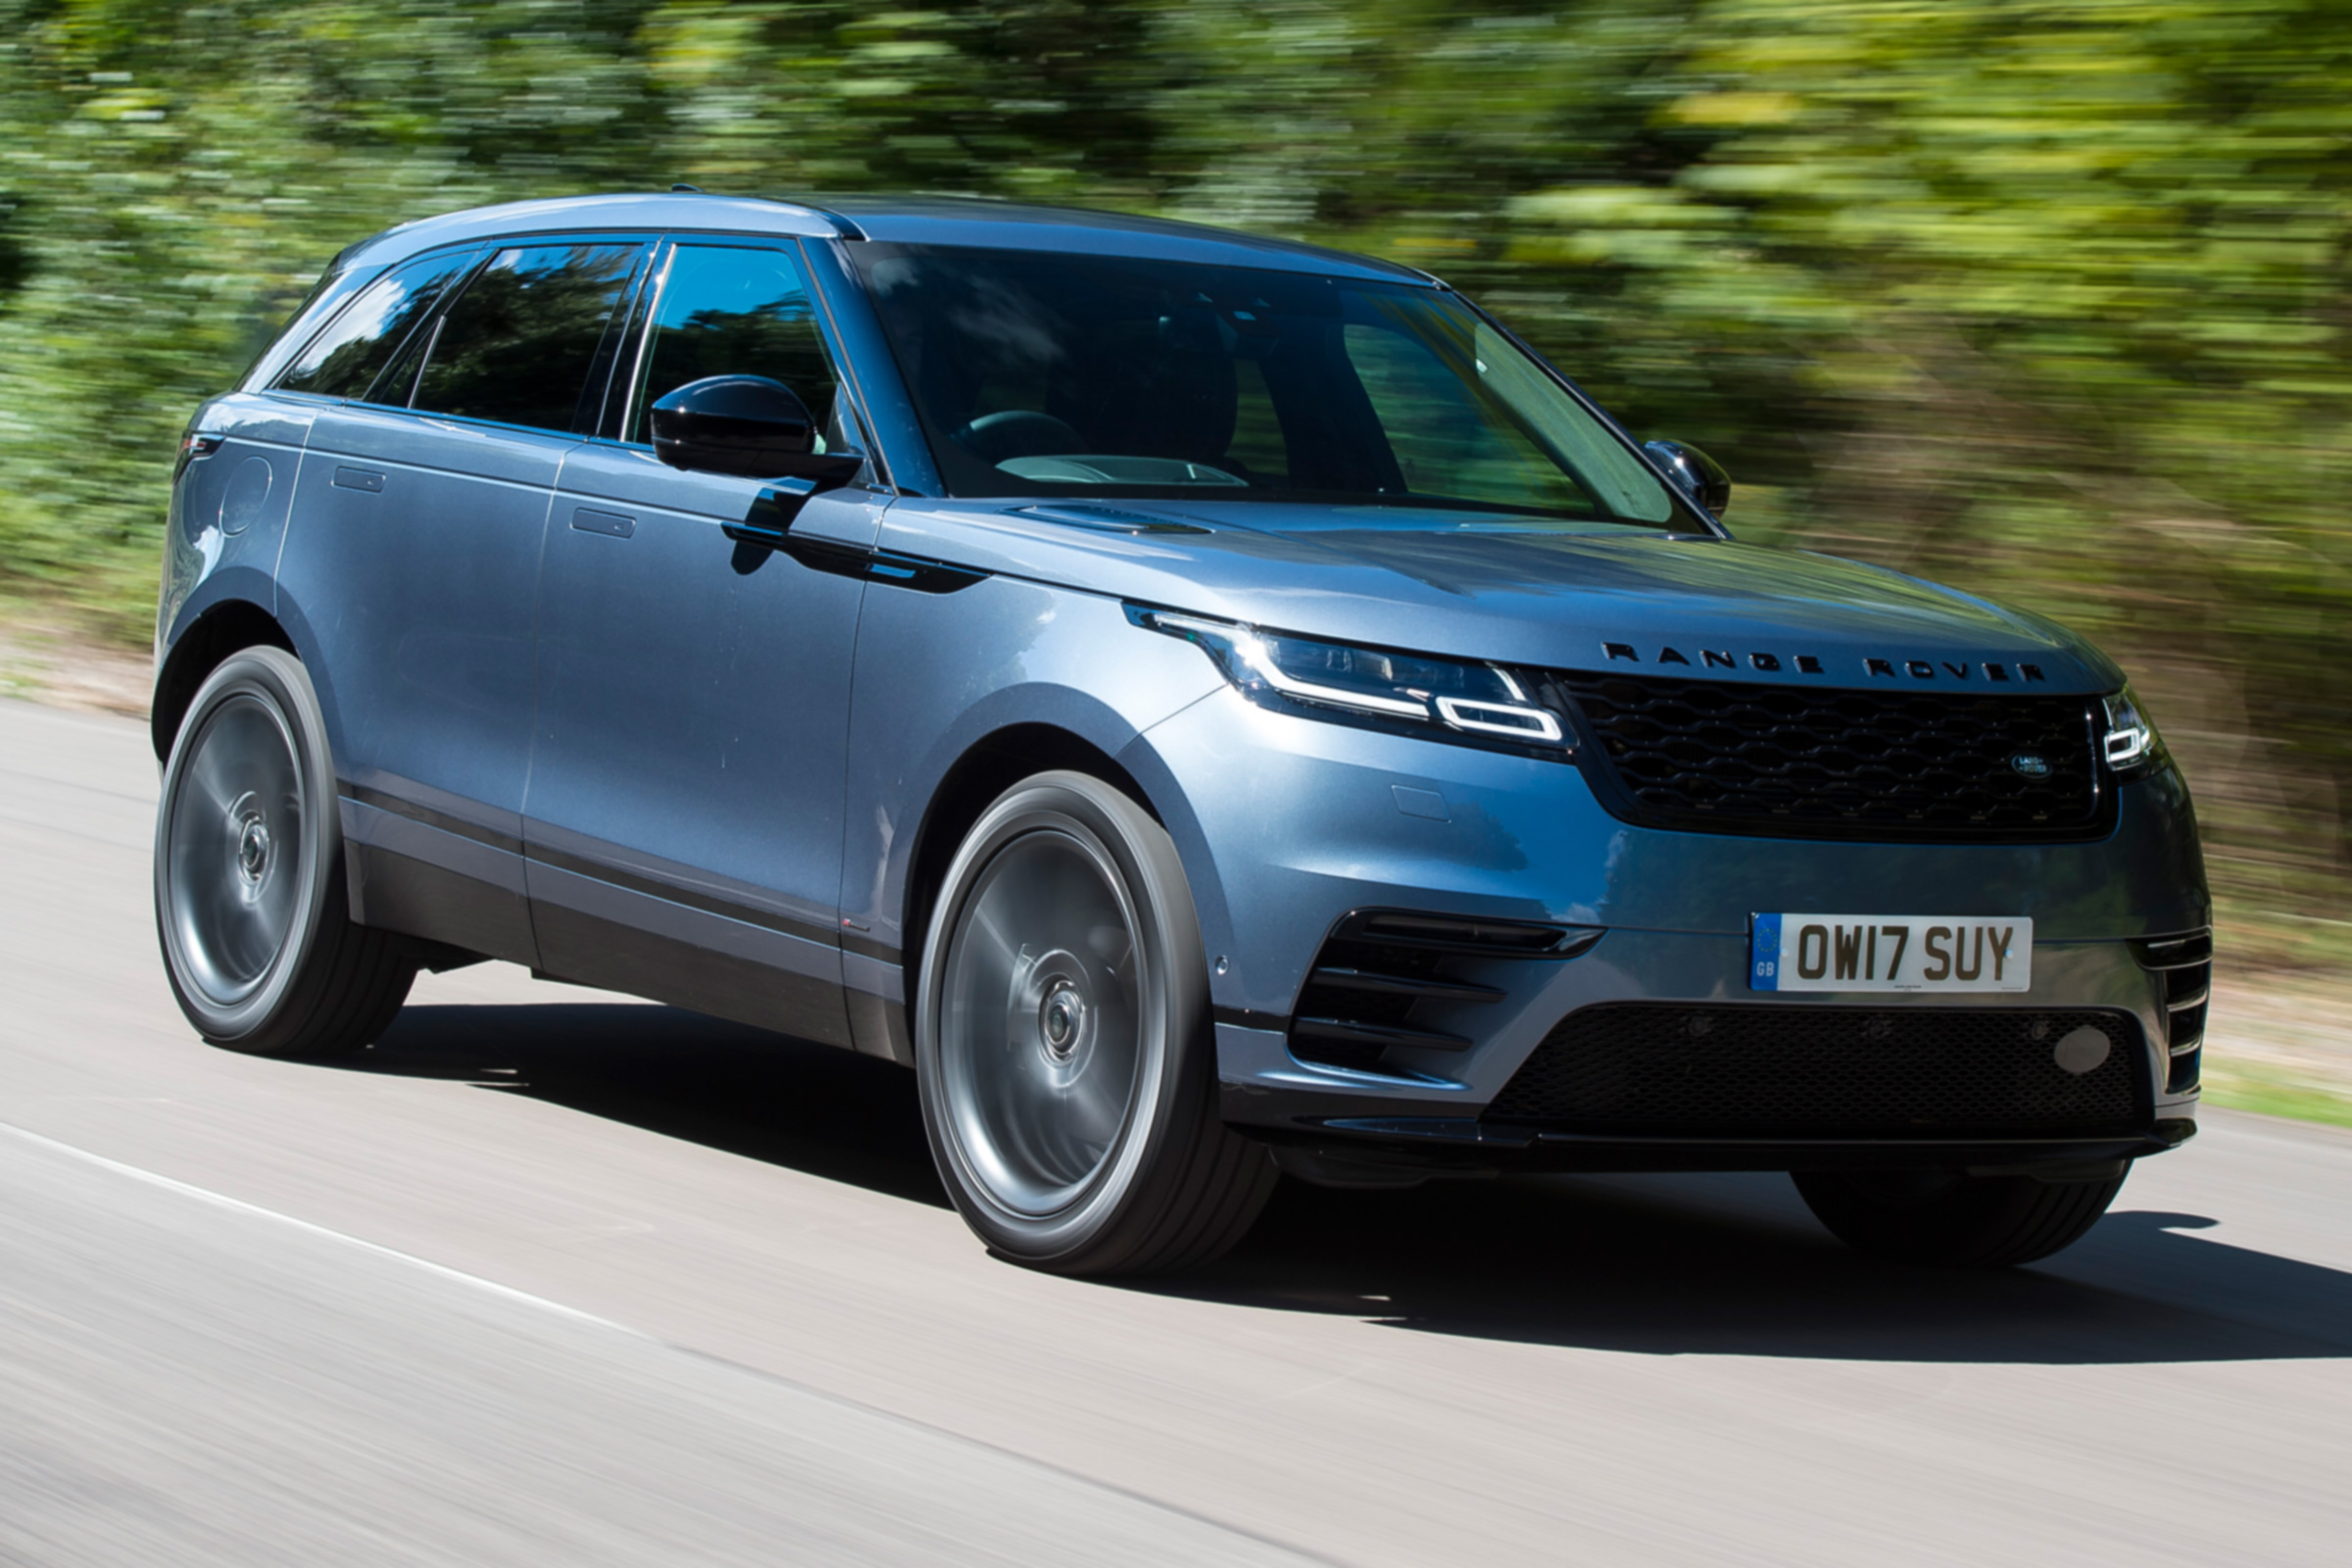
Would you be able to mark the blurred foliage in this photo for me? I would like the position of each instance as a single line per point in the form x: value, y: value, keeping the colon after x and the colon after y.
x: 2044, y: 298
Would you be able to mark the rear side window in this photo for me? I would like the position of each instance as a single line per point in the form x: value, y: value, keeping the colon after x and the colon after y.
x: 343, y: 360
x: 519, y: 344
x: 729, y: 310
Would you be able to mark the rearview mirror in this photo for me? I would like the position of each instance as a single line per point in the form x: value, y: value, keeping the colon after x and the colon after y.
x: 1694, y: 473
x: 747, y: 425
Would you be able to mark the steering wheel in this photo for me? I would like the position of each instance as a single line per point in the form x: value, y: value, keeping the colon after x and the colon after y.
x: 1017, y: 434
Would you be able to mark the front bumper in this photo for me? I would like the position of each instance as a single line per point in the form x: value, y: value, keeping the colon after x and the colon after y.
x: 1290, y: 825
x: 1375, y: 1151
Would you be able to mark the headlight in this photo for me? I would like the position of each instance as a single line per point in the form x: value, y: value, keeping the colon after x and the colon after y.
x: 1447, y: 699
x: 2131, y: 745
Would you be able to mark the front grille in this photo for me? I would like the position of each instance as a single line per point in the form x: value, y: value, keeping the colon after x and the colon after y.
x: 1790, y: 760
x: 1765, y: 1071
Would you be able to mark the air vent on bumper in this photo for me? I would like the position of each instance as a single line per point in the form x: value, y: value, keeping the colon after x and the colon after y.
x: 1389, y: 980
x: 2185, y: 962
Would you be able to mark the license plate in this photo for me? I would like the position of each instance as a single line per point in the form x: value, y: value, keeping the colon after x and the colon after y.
x: 1890, y: 952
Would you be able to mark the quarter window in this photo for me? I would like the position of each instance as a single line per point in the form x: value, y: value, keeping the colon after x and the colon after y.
x: 520, y: 343
x: 734, y: 311
x: 343, y: 360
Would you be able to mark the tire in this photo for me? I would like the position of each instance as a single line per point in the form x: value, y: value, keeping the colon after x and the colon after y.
x: 249, y: 881
x: 1953, y: 1219
x: 1063, y: 1045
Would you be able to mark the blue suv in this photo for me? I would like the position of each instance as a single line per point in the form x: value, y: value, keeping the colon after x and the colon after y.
x: 1210, y: 706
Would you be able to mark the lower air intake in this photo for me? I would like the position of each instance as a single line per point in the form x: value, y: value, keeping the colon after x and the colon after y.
x: 1762, y: 1071
x: 1399, y: 980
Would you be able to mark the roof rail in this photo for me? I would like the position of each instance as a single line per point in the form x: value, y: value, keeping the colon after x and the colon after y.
x: 847, y: 228
x: 842, y: 226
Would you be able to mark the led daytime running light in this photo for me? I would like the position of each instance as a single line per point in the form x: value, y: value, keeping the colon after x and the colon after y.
x: 1252, y: 650
x: 2130, y: 745
x: 1500, y: 718
x: 1243, y: 646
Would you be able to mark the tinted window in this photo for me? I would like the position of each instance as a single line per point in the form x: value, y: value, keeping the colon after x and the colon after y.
x: 519, y: 344
x: 1051, y: 373
x: 342, y: 360
x: 725, y: 311
x: 1446, y: 438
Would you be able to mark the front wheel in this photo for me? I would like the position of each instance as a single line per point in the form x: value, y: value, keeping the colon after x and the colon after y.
x: 1952, y: 1218
x: 249, y: 896
x: 1063, y: 1045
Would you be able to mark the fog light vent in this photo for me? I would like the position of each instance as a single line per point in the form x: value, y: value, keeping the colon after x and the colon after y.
x: 1391, y: 980
x: 2184, y: 962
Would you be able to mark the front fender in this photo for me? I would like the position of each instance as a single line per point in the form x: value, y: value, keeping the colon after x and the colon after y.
x: 937, y: 675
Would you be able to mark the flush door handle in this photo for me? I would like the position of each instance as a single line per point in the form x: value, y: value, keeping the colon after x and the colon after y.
x: 589, y: 520
x: 367, y: 479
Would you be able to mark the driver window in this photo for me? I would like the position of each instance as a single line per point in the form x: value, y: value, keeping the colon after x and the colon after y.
x: 731, y: 310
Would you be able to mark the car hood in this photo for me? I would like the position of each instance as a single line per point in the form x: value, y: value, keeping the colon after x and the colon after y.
x: 1482, y: 587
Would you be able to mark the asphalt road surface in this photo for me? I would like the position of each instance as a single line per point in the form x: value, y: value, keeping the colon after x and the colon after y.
x: 553, y: 1277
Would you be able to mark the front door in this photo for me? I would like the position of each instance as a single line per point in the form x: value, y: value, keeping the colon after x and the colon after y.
x: 684, y: 827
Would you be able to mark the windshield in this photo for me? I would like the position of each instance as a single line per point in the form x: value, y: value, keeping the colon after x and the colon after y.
x: 1039, y: 373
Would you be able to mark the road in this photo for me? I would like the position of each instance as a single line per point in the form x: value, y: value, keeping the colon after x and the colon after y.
x: 549, y: 1276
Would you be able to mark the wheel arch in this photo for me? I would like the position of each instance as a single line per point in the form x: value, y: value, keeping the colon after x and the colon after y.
x: 985, y: 770
x: 222, y: 629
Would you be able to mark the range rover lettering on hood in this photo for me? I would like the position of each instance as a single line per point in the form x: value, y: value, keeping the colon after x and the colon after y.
x: 1812, y: 664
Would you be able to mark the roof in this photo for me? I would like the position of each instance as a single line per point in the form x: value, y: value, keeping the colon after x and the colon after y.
x: 1010, y: 226
x: 900, y: 220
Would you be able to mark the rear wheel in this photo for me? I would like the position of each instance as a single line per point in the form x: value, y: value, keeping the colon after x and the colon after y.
x: 249, y: 893
x: 1063, y: 1044
x: 1949, y: 1218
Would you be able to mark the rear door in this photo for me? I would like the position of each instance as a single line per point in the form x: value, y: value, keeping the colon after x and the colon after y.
x: 414, y: 562
x: 685, y: 816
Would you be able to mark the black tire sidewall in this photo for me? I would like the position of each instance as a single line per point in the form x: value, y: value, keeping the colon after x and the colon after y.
x: 1097, y: 1229
x: 277, y: 679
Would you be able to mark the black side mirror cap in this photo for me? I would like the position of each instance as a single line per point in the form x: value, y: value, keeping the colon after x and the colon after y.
x: 751, y: 426
x: 1694, y: 473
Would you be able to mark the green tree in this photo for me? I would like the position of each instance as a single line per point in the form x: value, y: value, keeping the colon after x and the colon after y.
x: 2047, y: 298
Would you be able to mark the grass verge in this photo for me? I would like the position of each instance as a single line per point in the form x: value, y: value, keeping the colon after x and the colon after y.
x: 2250, y: 1086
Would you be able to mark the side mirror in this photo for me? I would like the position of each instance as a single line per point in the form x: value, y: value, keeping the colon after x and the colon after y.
x: 1694, y: 473
x: 747, y: 425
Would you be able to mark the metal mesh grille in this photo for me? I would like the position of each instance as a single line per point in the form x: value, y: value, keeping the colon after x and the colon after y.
x: 1733, y: 758
x: 1784, y: 1071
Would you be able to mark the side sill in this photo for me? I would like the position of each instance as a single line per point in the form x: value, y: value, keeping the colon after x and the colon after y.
x: 422, y: 882
x: 877, y: 994
x: 602, y: 934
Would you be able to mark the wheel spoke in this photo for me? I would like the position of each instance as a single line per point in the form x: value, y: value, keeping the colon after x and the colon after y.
x: 1111, y: 944
x: 988, y: 926
x: 1040, y: 1037
x: 234, y: 848
x: 208, y: 780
